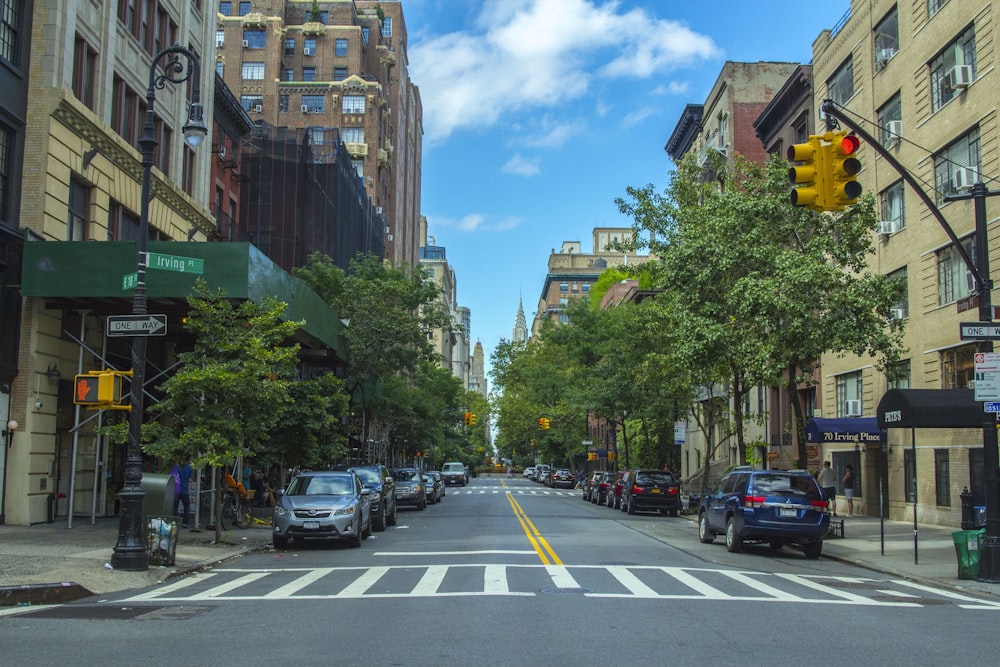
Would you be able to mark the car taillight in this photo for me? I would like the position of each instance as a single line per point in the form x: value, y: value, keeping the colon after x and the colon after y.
x: 672, y: 491
x: 820, y: 505
x: 637, y: 489
x: 753, y: 501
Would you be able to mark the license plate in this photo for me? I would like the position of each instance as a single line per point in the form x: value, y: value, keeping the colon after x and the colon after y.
x: 788, y: 513
x: 654, y: 490
x: 310, y: 524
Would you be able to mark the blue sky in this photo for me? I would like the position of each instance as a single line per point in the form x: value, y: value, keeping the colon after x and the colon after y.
x: 539, y: 113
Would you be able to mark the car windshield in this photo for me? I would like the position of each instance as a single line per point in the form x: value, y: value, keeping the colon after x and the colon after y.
x: 654, y: 478
x: 321, y: 486
x: 407, y: 476
x: 786, y: 485
x: 367, y: 475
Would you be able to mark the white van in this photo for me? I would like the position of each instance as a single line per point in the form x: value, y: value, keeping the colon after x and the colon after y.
x: 455, y: 473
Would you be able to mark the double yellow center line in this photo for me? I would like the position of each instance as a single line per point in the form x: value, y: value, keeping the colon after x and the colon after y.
x: 542, y: 548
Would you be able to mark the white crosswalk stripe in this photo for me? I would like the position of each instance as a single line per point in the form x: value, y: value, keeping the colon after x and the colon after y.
x: 514, y: 490
x: 590, y: 581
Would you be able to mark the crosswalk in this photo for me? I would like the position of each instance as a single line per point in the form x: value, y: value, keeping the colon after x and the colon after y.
x: 588, y: 581
x: 483, y: 490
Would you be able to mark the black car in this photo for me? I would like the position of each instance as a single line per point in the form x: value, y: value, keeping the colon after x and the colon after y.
x: 410, y: 487
x: 562, y: 479
x: 651, y: 491
x: 602, y: 484
x: 383, y: 493
x: 774, y: 506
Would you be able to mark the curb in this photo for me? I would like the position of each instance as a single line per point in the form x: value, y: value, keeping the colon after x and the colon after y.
x: 35, y: 594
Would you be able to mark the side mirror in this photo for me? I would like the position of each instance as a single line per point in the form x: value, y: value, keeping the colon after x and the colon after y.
x: 366, y: 491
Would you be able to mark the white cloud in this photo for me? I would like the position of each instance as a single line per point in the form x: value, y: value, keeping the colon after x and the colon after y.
x: 638, y: 115
x: 530, y: 54
x: 474, y: 222
x: 672, y: 88
x: 521, y: 166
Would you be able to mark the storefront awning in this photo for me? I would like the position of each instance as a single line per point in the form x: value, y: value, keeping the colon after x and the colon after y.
x: 930, y: 408
x: 843, y: 429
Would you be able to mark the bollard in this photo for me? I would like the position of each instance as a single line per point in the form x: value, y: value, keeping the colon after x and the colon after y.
x: 968, y: 514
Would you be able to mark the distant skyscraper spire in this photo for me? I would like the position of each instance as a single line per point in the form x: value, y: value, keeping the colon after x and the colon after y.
x: 520, y: 325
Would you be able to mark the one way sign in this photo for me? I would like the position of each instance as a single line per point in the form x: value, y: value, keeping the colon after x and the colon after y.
x: 137, y: 325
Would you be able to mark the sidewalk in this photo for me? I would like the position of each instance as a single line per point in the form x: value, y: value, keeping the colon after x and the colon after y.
x: 48, y: 563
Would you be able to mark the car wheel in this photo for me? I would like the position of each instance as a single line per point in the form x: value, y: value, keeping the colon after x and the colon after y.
x: 813, y: 549
x: 734, y: 543
x: 631, y: 507
x: 379, y: 520
x: 776, y: 545
x: 423, y: 505
x: 391, y: 519
x: 704, y: 533
x: 357, y: 537
x: 673, y: 511
x: 624, y: 504
x: 371, y: 525
x: 280, y: 542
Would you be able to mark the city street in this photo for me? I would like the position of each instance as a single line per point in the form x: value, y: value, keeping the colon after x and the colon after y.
x: 508, y: 572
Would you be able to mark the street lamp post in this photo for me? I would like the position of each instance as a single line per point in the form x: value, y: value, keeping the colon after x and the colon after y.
x: 167, y: 66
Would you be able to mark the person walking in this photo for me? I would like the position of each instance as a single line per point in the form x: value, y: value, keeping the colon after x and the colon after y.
x: 182, y: 474
x: 827, y: 479
x: 848, y: 483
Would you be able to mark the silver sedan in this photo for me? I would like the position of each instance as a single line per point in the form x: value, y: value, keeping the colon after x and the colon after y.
x: 330, y: 505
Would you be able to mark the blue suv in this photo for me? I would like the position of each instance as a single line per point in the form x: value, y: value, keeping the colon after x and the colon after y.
x: 778, y: 507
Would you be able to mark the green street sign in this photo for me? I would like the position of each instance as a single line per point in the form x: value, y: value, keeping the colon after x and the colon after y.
x: 130, y: 280
x: 155, y: 260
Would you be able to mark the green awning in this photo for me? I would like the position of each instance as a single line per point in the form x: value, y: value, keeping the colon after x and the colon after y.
x: 89, y: 275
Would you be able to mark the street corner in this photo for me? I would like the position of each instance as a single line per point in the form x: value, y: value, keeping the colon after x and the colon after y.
x: 38, y: 594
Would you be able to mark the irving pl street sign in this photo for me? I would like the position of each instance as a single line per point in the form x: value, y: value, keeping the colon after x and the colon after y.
x: 137, y: 325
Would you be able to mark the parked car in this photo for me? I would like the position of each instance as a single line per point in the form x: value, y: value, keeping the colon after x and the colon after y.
x: 590, y: 484
x: 328, y: 504
x: 651, y: 491
x: 440, y: 480
x: 615, y: 492
x: 541, y: 471
x: 774, y: 506
x: 562, y: 479
x: 410, y: 487
x: 383, y: 493
x: 599, y: 495
x: 432, y: 488
x: 455, y: 473
x: 529, y: 472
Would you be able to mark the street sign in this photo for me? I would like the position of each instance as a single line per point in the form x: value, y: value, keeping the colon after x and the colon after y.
x: 155, y: 260
x: 979, y: 331
x: 130, y: 280
x: 137, y: 325
x: 987, y: 377
x: 587, y: 443
x: 991, y: 407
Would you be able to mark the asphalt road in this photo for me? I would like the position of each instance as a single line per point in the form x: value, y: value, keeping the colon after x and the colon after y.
x: 506, y: 572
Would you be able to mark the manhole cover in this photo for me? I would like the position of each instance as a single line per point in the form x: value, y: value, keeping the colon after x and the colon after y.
x: 181, y: 613
x: 567, y: 591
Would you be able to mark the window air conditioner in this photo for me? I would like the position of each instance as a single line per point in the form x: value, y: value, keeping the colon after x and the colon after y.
x: 887, y: 227
x: 853, y: 408
x: 959, y: 76
x: 388, y: 237
x: 970, y: 282
x: 885, y: 55
x: 378, y: 211
x: 307, y: 51
x: 222, y: 151
x: 259, y: 108
x: 386, y: 230
x: 894, y: 130
x: 305, y: 108
x: 220, y: 42
x: 898, y: 313
x: 246, y: 43
x: 964, y: 178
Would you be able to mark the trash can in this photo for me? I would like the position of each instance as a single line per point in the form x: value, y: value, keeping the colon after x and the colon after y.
x: 161, y: 539
x: 967, y: 549
x: 160, y: 492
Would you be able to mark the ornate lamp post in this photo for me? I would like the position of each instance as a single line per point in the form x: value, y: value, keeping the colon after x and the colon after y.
x: 167, y: 66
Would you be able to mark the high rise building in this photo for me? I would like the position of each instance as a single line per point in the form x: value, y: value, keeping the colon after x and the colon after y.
x: 520, y: 334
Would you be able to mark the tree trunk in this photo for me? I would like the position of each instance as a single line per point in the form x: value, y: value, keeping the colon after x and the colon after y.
x: 800, y: 430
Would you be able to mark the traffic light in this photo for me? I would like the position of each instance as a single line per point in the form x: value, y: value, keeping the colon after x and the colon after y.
x: 468, y: 418
x: 809, y: 177
x: 98, y: 389
x: 543, y: 423
x: 472, y: 419
x: 842, y: 184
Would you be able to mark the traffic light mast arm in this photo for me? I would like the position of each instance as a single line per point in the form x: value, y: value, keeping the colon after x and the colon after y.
x: 832, y: 110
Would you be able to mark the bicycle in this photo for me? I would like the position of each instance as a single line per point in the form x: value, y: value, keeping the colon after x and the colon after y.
x: 236, y: 510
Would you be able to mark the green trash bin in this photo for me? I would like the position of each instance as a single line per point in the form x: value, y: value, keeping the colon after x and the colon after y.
x: 967, y: 544
x: 161, y: 539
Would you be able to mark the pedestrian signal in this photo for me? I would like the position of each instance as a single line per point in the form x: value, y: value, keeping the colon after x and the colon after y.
x: 98, y: 389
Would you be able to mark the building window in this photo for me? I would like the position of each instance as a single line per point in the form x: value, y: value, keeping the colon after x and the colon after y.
x: 887, y: 38
x: 891, y: 202
x: 942, y: 478
x: 586, y: 288
x: 364, y: 35
x: 910, y: 475
x: 340, y: 47
x: 898, y: 375
x: 889, y: 112
x: 840, y: 86
x: 244, y: 8
x: 79, y: 203
x: 255, y: 39
x: 954, y: 279
x: 902, y: 307
x: 251, y: 103
x: 282, y: 103
x: 219, y: 67
x: 564, y: 287
x: 353, y: 135
x: 308, y: 73
x: 353, y: 104
x: 123, y: 225
x: 253, y: 71
x: 958, y: 367
x: 933, y: 6
x: 84, y: 72
x: 960, y: 52
x: 339, y: 73
x: 289, y: 47
x: 127, y: 111
x: 317, y: 136
x: 849, y: 388
x: 314, y: 103
x: 220, y: 38
x: 324, y: 17
x: 359, y: 167
x: 188, y: 172
x: 226, y: 8
x: 309, y: 46
x: 387, y: 26
x: 962, y: 154
x: 288, y: 74
x: 6, y: 156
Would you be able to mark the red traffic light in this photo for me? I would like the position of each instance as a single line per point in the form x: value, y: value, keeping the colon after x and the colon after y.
x: 849, y: 144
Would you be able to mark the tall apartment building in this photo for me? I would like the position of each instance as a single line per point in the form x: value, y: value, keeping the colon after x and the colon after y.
x: 337, y: 64
x: 921, y: 77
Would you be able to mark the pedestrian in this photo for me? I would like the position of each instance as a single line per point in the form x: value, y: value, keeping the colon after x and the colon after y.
x: 182, y: 474
x: 247, y: 478
x: 848, y: 483
x: 827, y: 479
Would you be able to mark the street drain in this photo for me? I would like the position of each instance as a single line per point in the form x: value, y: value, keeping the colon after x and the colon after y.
x: 567, y: 591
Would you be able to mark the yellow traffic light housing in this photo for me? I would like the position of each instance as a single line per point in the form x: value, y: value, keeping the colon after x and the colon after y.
x: 100, y: 390
x: 468, y: 417
x: 842, y: 183
x: 809, y: 177
x: 472, y: 419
